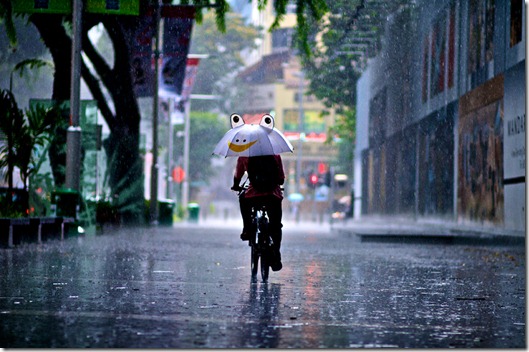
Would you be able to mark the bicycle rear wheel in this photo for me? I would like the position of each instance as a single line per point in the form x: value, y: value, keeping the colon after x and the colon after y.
x: 264, y: 251
x: 265, y: 265
x: 264, y: 248
x: 254, y: 261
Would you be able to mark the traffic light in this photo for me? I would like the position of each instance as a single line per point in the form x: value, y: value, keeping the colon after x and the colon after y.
x: 313, y: 180
x: 327, y: 178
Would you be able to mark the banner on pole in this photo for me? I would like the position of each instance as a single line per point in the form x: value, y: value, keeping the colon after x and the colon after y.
x: 178, y: 22
x: 176, y: 41
x: 141, y: 56
x: 191, y: 74
x: 178, y: 112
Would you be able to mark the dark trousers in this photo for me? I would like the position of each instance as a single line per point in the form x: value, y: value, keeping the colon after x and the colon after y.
x: 275, y: 213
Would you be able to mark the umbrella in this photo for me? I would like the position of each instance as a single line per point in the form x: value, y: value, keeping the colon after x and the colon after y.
x: 295, y: 197
x: 252, y: 140
x: 345, y: 200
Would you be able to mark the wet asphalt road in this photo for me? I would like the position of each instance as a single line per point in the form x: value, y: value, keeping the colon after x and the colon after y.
x: 190, y: 287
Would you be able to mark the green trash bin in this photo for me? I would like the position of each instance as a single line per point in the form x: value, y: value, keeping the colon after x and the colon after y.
x: 165, y: 212
x: 193, y: 210
x: 65, y: 202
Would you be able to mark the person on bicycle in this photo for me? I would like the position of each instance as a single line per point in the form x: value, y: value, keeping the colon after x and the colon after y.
x: 266, y: 176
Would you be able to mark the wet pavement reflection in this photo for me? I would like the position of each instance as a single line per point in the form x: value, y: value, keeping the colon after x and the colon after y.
x: 190, y: 287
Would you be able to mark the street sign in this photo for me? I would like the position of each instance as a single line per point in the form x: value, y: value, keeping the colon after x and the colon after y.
x: 321, y: 194
x: 42, y: 6
x: 114, y: 7
x: 178, y: 174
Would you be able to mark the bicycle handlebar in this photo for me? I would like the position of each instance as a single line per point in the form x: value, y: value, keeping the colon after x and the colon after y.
x: 240, y: 190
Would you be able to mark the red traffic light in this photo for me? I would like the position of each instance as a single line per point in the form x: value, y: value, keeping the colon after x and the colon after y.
x: 314, y: 179
x: 322, y: 168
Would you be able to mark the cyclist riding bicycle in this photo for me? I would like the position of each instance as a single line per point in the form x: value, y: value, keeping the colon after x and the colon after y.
x: 266, y: 176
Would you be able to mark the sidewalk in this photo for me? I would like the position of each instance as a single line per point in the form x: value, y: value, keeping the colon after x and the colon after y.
x: 389, y: 228
x: 393, y: 228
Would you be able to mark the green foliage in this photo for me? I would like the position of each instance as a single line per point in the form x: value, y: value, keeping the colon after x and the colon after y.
x: 41, y: 186
x: 339, y: 48
x: 341, y: 44
x: 317, y: 9
x: 127, y: 179
x: 6, y: 18
x: 206, y: 130
x: 127, y: 190
x: 37, y: 134
x: 343, y: 132
x: 314, y: 9
x: 11, y: 211
x: 344, y: 126
x: 24, y: 134
x: 31, y: 64
x: 216, y: 73
x: 332, y: 76
x: 11, y: 125
x: 106, y: 212
x: 35, y: 82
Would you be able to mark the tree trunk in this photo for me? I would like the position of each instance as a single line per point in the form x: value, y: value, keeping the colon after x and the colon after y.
x: 59, y: 43
x: 124, y: 164
x: 122, y: 146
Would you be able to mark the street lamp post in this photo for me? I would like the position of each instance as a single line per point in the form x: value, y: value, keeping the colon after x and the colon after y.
x: 170, y: 132
x: 187, y: 138
x: 73, y: 136
x: 301, y: 76
x: 153, y: 207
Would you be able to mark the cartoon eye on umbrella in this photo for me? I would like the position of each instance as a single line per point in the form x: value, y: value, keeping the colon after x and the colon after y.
x: 252, y: 140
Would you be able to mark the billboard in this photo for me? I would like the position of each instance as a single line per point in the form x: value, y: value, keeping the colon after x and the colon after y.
x: 480, y: 155
x: 514, y: 148
x: 115, y: 7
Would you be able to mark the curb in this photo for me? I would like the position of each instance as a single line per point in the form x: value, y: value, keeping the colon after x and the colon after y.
x: 421, y: 232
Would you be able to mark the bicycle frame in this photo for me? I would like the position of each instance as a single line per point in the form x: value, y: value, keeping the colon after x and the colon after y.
x: 260, y: 241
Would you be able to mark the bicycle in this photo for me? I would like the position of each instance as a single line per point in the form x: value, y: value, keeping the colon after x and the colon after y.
x: 260, y: 241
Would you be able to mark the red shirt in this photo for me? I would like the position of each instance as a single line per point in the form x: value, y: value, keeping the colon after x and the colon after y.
x: 242, y: 166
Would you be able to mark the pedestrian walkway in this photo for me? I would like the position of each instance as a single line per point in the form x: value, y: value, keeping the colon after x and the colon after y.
x: 380, y: 227
x: 388, y: 228
x: 235, y: 224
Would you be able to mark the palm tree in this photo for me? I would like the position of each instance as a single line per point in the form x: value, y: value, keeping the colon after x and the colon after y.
x: 24, y: 135
x: 11, y: 125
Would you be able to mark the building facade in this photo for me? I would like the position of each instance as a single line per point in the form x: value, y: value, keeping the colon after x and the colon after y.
x: 274, y: 84
x: 441, y: 115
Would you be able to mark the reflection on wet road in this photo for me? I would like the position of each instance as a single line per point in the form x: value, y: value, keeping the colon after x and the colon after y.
x: 190, y: 287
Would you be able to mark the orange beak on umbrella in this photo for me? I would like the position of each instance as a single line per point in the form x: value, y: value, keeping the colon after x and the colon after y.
x: 237, y: 148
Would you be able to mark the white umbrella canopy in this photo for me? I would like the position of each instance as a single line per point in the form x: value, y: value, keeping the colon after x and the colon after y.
x: 252, y: 140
